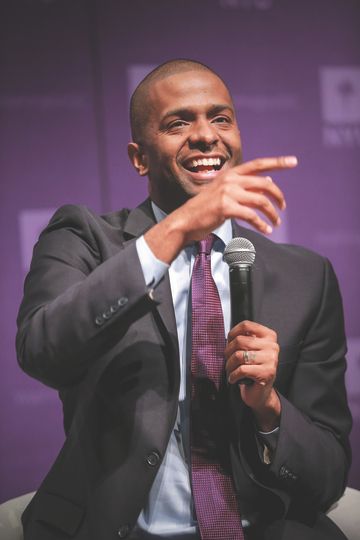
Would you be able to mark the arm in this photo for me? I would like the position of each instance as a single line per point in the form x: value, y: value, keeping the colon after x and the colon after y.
x: 312, y: 455
x: 79, y: 298
x: 315, y: 419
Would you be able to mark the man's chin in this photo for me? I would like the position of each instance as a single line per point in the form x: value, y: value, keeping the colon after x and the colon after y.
x: 192, y: 186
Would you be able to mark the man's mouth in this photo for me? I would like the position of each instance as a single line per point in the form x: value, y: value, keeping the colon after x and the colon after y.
x: 205, y: 166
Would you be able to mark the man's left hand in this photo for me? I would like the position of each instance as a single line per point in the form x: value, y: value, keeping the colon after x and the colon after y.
x: 252, y: 352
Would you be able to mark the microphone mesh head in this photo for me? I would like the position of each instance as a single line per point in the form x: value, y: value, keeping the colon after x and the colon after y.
x: 239, y: 251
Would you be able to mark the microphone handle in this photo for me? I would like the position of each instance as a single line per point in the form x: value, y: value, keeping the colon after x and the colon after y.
x: 241, y: 299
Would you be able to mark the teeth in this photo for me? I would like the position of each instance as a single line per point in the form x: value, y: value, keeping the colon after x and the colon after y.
x: 205, y: 162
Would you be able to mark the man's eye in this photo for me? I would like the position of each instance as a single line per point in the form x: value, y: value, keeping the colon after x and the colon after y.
x: 221, y: 119
x: 176, y: 124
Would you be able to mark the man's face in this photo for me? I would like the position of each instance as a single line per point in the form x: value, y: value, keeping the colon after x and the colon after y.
x: 190, y: 136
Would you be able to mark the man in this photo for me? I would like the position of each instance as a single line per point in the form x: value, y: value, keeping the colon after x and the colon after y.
x: 108, y: 319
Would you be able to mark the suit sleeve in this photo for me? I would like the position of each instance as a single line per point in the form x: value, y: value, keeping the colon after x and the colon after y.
x: 312, y: 455
x: 78, y: 298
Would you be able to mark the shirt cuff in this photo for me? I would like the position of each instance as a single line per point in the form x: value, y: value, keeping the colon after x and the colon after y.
x: 267, y: 442
x: 153, y: 269
x: 270, y: 436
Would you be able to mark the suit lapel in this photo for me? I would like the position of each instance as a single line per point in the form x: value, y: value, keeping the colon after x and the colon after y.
x: 139, y: 221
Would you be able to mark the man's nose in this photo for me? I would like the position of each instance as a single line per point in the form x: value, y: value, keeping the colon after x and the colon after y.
x: 203, y: 133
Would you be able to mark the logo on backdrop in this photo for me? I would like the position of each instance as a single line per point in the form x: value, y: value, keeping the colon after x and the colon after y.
x: 340, y: 103
x: 31, y: 222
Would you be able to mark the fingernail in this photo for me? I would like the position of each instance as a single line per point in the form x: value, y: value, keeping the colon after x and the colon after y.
x: 268, y: 178
x: 291, y: 161
x: 278, y: 222
x: 269, y: 229
x: 283, y: 206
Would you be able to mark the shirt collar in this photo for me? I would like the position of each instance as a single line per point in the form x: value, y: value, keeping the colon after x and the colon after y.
x: 224, y: 232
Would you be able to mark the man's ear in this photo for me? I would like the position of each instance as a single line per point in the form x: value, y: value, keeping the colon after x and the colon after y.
x: 138, y: 158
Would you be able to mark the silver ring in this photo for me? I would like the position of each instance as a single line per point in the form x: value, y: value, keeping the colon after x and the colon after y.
x: 249, y: 357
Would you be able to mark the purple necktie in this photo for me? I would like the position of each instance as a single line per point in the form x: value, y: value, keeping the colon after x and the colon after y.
x: 216, y: 506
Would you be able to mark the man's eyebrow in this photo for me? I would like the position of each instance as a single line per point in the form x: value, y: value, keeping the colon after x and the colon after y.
x: 185, y: 112
x: 221, y: 108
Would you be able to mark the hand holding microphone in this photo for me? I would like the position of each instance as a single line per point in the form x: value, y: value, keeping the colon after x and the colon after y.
x: 252, y: 350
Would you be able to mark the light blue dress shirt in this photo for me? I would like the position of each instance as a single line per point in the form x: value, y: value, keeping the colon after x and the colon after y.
x: 169, y: 509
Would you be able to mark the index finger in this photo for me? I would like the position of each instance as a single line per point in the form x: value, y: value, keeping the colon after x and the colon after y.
x: 267, y: 164
x: 251, y: 328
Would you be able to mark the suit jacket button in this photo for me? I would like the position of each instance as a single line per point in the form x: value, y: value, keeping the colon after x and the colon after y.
x: 153, y: 459
x: 99, y: 320
x: 124, y: 531
x: 114, y: 308
x: 122, y: 301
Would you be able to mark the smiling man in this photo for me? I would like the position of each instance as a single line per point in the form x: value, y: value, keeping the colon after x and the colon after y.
x: 127, y: 315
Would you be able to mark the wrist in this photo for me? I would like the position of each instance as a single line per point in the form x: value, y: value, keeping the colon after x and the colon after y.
x: 167, y: 238
x: 267, y: 416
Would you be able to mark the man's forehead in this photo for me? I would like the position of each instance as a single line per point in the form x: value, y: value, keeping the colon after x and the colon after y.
x: 187, y: 88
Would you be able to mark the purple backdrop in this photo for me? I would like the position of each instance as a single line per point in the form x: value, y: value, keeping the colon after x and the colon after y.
x: 67, y: 68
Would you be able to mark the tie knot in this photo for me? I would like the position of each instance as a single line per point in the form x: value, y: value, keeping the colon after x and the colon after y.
x: 205, y: 245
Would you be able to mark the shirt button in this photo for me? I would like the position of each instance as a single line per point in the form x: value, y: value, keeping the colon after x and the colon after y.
x: 122, y: 301
x: 124, y: 531
x: 153, y: 459
x: 114, y: 308
x: 99, y: 320
x: 107, y: 314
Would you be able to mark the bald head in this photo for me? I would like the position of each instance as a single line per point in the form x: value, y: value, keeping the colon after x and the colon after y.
x: 139, y: 103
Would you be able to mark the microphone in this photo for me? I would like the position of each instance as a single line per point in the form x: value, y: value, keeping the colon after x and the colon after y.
x: 240, y: 254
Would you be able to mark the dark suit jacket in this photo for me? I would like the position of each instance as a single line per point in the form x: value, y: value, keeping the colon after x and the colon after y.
x: 89, y: 327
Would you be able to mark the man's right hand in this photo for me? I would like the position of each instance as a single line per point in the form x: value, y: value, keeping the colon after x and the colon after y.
x: 235, y: 193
